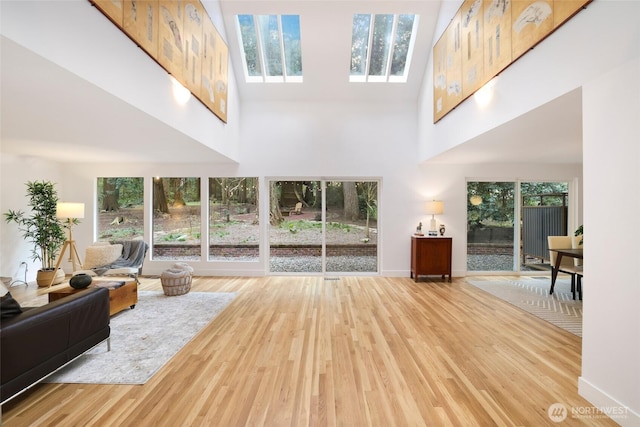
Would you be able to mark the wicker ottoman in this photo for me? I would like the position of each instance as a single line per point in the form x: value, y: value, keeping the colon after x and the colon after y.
x: 177, y: 279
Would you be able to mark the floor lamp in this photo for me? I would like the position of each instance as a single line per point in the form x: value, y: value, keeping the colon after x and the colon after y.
x: 69, y: 211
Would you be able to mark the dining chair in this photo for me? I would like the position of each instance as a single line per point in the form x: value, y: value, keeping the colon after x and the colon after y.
x: 577, y: 243
x: 567, y: 265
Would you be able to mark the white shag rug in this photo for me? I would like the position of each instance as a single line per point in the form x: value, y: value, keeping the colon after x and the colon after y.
x: 531, y: 294
x: 145, y: 338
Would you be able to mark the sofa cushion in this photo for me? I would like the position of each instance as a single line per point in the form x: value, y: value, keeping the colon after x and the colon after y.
x: 9, y: 307
x: 101, y: 255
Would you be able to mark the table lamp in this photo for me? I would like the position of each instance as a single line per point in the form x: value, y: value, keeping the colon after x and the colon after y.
x: 434, y: 207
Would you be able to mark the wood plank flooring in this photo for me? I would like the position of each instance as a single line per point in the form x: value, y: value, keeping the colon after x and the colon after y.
x: 359, y: 351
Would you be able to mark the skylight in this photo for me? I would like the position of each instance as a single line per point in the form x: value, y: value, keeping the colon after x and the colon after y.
x: 381, y: 47
x: 271, y: 47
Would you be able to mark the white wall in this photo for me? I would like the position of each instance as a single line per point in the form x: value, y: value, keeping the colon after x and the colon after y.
x: 78, y: 37
x: 342, y: 141
x: 611, y: 324
x: 14, y: 174
x: 449, y: 183
x: 598, y: 38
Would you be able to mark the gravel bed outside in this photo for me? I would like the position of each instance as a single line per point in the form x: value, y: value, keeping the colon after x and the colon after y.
x: 498, y: 263
x: 336, y: 264
x: 366, y: 264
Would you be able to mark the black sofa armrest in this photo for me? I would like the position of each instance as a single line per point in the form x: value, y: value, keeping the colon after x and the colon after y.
x: 38, y: 341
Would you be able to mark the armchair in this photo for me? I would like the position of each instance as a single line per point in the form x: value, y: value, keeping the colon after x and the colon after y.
x: 125, y: 258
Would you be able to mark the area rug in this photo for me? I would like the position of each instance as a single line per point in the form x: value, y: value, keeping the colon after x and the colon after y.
x: 145, y: 338
x: 532, y: 295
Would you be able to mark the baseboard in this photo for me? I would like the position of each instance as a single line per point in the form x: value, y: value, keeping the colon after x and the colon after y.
x: 606, y: 404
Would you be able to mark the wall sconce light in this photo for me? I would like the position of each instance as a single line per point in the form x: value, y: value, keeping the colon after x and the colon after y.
x: 435, y: 207
x: 484, y: 95
x: 180, y: 93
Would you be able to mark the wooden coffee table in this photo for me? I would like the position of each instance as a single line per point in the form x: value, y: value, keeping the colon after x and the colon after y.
x: 122, y: 293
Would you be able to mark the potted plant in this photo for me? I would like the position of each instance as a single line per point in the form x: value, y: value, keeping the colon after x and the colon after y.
x: 579, y: 232
x: 42, y: 228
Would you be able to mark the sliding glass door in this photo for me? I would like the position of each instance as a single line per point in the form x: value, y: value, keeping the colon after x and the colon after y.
x: 323, y: 226
x: 490, y: 226
x: 508, y: 223
x: 295, y: 226
x: 351, y: 225
x: 544, y: 211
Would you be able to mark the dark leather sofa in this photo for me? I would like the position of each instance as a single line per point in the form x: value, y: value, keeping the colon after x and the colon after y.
x: 38, y: 341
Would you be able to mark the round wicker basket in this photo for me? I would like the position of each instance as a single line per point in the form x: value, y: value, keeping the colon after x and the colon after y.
x: 173, y: 286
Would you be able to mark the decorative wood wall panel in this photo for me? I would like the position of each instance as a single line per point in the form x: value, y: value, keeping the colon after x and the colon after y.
x: 497, y: 36
x: 171, y: 42
x: 565, y: 9
x: 485, y: 37
x: 439, y: 78
x: 180, y: 36
x: 141, y: 24
x: 454, y: 63
x: 531, y: 21
x: 472, y: 46
x: 193, y: 35
x: 112, y: 9
x: 215, y: 63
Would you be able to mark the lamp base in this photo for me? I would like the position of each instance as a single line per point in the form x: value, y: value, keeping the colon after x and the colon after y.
x: 432, y: 227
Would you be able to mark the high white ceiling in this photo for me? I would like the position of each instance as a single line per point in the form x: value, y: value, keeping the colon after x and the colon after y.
x: 326, y: 49
x: 28, y: 98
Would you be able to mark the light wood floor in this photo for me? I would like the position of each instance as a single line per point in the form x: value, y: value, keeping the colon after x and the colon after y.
x: 359, y: 351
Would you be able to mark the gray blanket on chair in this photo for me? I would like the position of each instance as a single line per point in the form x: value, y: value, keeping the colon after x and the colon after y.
x: 133, y: 253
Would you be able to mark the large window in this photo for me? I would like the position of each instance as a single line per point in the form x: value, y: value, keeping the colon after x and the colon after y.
x: 120, y: 209
x: 176, y: 219
x: 234, y: 229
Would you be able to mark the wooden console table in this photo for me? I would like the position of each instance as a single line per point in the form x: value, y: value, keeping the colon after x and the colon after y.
x: 430, y: 256
x: 121, y: 296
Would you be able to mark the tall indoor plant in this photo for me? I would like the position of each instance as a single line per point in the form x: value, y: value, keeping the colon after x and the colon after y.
x: 42, y: 228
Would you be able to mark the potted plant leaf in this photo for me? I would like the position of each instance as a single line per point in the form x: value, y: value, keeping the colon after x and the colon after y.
x: 580, y: 232
x: 42, y: 228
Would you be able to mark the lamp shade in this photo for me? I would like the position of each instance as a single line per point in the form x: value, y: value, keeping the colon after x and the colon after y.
x: 69, y: 210
x: 475, y: 200
x: 435, y: 207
